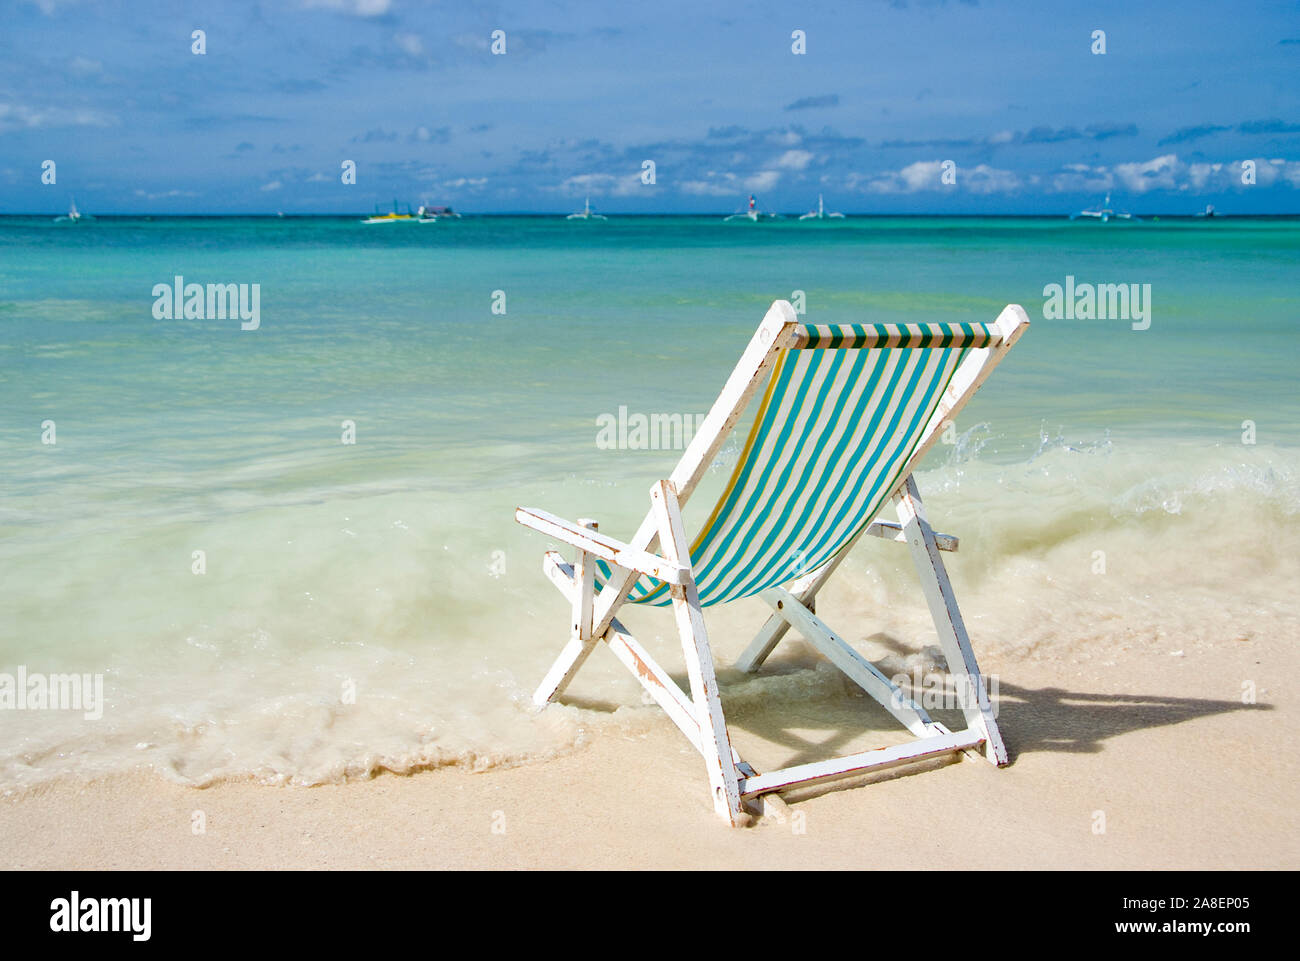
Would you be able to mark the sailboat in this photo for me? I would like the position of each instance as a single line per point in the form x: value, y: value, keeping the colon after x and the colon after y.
x: 820, y: 213
x: 586, y: 213
x: 73, y: 216
x: 750, y: 213
x: 1105, y: 213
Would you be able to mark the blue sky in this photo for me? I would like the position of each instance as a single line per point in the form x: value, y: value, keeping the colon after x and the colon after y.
x: 1010, y: 92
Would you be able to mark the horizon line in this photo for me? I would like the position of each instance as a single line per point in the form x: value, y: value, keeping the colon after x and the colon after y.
x: 280, y: 215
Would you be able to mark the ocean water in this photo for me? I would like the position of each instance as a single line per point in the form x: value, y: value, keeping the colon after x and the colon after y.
x: 372, y: 605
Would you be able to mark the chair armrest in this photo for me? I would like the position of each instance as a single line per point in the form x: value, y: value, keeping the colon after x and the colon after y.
x: 603, y: 546
x: 892, y: 531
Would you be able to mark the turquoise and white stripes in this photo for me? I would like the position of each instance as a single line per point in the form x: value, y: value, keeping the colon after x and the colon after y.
x: 810, y: 336
x: 835, y: 430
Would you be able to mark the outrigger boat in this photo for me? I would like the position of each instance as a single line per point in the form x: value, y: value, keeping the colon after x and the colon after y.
x: 586, y: 213
x: 1105, y: 213
x: 73, y: 216
x: 391, y: 218
x: 820, y: 213
x: 429, y: 215
x: 750, y: 213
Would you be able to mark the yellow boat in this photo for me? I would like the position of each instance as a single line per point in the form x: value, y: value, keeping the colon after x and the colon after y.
x: 391, y: 218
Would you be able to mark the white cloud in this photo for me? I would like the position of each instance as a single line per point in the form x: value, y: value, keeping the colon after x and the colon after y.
x: 1165, y: 172
x: 471, y: 41
x: 794, y: 160
x: 1081, y: 178
x: 983, y: 179
x: 18, y: 116
x: 607, y: 185
x: 1201, y: 175
x: 928, y: 175
x: 922, y: 175
x: 48, y: 7
x: 356, y: 8
x: 85, y: 67
x: 1162, y: 173
x: 715, y: 184
x: 410, y: 43
x: 1267, y: 172
x: 273, y: 185
x: 712, y: 186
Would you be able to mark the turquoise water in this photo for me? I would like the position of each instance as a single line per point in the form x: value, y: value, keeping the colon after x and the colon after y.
x: 372, y: 604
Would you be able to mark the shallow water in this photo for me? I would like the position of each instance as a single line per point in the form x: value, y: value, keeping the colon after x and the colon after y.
x: 373, y: 605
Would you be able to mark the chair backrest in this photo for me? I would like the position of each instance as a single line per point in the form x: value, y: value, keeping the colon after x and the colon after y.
x: 846, y: 411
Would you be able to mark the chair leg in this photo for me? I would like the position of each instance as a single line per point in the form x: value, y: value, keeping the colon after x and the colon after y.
x: 581, y: 643
x: 715, y: 742
x: 859, y: 670
x: 570, y: 661
x: 763, y: 644
x: 953, y: 637
x: 775, y: 627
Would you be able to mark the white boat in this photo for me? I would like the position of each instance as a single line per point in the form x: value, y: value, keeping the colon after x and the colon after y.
x: 431, y: 215
x: 820, y: 213
x: 73, y: 216
x: 750, y: 213
x: 1105, y: 213
x: 586, y: 213
x: 1208, y: 211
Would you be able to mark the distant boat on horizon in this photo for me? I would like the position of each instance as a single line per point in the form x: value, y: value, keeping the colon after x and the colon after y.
x: 1105, y: 213
x: 586, y: 213
x: 750, y: 213
x: 424, y: 214
x: 73, y: 216
x: 820, y: 213
x: 430, y: 215
x: 1209, y: 211
x: 393, y: 217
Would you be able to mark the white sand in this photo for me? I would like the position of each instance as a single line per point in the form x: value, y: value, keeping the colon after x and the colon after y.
x: 1186, y: 775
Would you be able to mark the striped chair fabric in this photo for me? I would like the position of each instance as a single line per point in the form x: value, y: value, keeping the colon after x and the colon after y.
x: 845, y: 407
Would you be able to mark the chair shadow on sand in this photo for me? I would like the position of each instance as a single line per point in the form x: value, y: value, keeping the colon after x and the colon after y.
x: 1032, y: 719
x: 1055, y: 719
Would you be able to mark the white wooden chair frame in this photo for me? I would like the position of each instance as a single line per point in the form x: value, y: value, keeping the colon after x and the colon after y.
x: 699, y: 715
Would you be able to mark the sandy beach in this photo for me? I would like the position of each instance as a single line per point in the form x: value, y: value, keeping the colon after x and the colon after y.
x: 1186, y: 775
x: 322, y: 323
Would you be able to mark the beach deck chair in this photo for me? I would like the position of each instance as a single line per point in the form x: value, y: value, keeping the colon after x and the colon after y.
x: 846, y: 413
